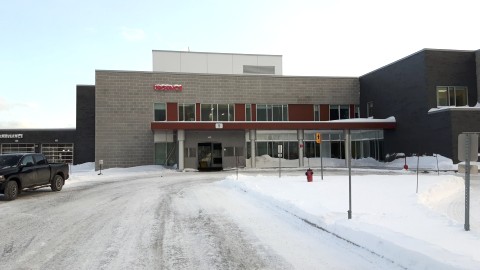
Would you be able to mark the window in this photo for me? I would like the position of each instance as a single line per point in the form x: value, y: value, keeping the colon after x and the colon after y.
x: 40, y: 160
x: 186, y: 112
x: 58, y: 152
x: 18, y: 148
x: 228, y: 151
x: 27, y: 160
x: 316, y: 112
x: 231, y: 151
x: 339, y: 112
x: 217, y: 112
x: 452, y: 96
x: 370, y: 109
x: 357, y: 111
x: 160, y: 112
x: 272, y: 112
x: 258, y: 69
x: 190, y: 152
x: 248, y: 112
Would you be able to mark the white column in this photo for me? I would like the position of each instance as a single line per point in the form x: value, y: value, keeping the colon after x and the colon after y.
x: 253, y: 139
x: 300, y: 138
x: 181, y: 151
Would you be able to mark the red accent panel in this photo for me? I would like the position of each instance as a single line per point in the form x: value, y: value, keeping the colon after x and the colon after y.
x: 172, y: 112
x: 300, y: 112
x: 197, y: 109
x: 352, y: 111
x: 254, y: 112
x: 324, y: 112
x: 239, y: 112
x: 335, y: 125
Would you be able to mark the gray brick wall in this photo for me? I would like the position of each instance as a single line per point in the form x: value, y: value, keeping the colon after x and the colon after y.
x: 124, y: 103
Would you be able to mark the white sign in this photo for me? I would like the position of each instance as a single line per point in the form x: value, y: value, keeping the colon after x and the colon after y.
x: 11, y: 136
x: 462, y: 152
x: 280, y: 149
x: 218, y: 125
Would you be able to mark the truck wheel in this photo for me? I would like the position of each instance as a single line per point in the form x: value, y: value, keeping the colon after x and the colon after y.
x: 11, y: 191
x: 57, y: 183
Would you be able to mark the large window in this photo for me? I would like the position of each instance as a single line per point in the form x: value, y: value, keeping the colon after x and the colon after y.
x: 217, y: 112
x: 160, y: 112
x: 272, y: 112
x: 452, y: 96
x: 248, y: 112
x: 316, y: 112
x: 165, y: 153
x: 339, y: 112
x: 186, y: 112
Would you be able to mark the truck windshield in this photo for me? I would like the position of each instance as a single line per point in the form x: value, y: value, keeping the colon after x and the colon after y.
x: 9, y: 160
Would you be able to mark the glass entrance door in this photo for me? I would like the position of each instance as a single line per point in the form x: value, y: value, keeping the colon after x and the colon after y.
x: 210, y: 156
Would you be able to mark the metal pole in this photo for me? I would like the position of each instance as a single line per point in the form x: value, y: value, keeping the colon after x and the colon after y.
x: 467, y: 182
x: 418, y: 164
x: 349, y: 164
x: 321, y: 161
x: 279, y: 166
x: 237, y: 166
x: 438, y: 169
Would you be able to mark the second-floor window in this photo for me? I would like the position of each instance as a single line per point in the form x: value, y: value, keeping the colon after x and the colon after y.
x: 452, y: 96
x: 217, y: 112
x: 316, y: 112
x: 267, y: 112
x: 339, y: 112
x: 186, y: 112
x: 248, y: 112
x: 160, y: 113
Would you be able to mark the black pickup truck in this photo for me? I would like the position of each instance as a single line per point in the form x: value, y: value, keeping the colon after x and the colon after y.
x: 29, y: 171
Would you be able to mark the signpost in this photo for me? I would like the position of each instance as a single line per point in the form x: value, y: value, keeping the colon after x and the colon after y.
x: 467, y: 151
x: 348, y: 156
x: 280, y: 152
x: 318, y: 139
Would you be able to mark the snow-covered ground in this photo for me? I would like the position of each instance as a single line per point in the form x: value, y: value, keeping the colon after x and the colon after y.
x: 253, y: 219
x: 423, y: 230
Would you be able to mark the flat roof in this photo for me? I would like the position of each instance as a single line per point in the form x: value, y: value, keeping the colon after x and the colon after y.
x: 251, y: 54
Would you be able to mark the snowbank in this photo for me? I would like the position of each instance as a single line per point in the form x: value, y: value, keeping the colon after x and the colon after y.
x: 419, y: 231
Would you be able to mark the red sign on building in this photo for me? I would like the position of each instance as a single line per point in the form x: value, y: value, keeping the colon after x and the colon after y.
x: 168, y: 87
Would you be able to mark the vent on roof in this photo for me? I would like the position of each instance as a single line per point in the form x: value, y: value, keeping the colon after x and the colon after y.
x: 258, y: 69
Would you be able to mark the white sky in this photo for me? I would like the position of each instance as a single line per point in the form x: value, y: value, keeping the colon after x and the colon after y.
x: 50, y: 46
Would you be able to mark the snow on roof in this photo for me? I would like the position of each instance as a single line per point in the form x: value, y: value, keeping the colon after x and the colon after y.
x: 455, y: 108
x: 390, y: 119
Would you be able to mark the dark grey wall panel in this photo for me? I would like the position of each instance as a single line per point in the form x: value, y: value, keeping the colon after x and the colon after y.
x: 399, y: 90
x: 85, y: 124
x: 406, y: 89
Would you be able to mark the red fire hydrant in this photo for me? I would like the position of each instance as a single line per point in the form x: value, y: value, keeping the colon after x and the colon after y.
x: 309, y: 175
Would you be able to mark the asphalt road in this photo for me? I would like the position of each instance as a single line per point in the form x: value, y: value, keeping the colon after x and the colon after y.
x: 176, y: 221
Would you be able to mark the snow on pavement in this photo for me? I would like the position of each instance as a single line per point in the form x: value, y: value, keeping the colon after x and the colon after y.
x: 417, y: 231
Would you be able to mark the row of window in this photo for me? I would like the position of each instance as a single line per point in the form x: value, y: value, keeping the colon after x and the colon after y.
x: 265, y: 112
x: 452, y: 96
x: 54, y: 152
x: 447, y: 96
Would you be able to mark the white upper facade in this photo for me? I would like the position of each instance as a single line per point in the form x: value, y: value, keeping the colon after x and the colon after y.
x: 216, y: 63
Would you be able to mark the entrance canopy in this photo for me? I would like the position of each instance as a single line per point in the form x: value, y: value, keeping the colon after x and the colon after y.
x: 348, y: 124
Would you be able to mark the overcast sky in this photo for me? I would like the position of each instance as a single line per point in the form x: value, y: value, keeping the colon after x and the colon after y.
x: 50, y: 46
